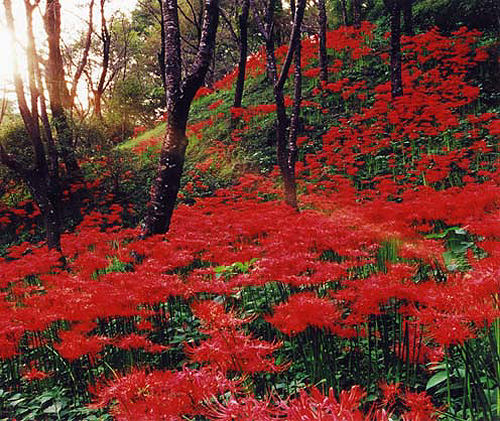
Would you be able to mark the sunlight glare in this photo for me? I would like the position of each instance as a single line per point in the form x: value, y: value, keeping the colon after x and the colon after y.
x: 7, y: 60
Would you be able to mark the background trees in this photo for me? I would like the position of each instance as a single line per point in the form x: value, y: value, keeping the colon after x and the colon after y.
x: 42, y: 176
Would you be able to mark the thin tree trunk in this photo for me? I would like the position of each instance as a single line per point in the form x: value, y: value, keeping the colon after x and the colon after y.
x: 85, y: 56
x: 290, y: 181
x: 106, y: 47
x: 356, y: 13
x: 58, y: 92
x: 408, y: 18
x: 161, y: 54
x: 42, y: 191
x: 42, y: 180
x: 396, y: 77
x: 242, y: 64
x: 323, y: 57
x: 343, y: 9
x: 283, y: 150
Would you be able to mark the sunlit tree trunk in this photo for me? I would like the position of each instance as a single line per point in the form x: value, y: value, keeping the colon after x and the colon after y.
x: 42, y: 178
x: 85, y: 55
x: 106, y: 48
x: 59, y: 96
x: 179, y: 96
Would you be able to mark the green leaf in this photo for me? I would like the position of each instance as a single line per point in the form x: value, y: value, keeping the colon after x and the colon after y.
x: 53, y: 409
x: 438, y: 378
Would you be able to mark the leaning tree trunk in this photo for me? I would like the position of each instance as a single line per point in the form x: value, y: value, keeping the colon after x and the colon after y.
x: 106, y: 49
x: 179, y: 96
x: 167, y: 183
x: 242, y: 64
x: 323, y: 57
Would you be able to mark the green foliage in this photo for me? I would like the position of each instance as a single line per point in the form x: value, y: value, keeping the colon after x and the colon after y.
x: 15, y: 139
x: 234, y: 269
x: 448, y: 15
x: 54, y: 404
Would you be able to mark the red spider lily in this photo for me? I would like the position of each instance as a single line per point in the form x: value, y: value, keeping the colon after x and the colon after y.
x: 420, y: 407
x: 246, y: 408
x: 137, y: 341
x: 74, y: 345
x: 214, y: 317
x: 235, y: 351
x: 315, y: 406
x: 162, y: 394
x: 34, y: 374
x: 303, y: 310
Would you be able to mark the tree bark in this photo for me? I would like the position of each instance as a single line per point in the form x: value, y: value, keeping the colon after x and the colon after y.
x: 290, y: 182
x: 394, y: 9
x: 179, y: 96
x: 343, y: 9
x: 106, y: 48
x: 356, y: 13
x: 161, y: 54
x: 243, y: 44
x: 85, y: 56
x: 59, y: 96
x: 323, y: 57
x: 408, y: 18
x: 284, y: 150
x: 42, y: 179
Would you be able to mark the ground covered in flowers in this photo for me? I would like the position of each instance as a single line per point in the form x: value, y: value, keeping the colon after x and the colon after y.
x: 378, y: 300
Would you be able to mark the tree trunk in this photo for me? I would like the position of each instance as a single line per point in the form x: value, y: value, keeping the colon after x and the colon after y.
x: 43, y: 178
x: 290, y: 182
x: 396, y: 78
x: 58, y: 91
x: 161, y: 54
x: 408, y: 18
x: 167, y: 183
x: 106, y: 48
x: 85, y: 56
x: 47, y: 197
x: 285, y: 153
x: 323, y: 57
x: 356, y: 13
x: 243, y: 27
x: 179, y: 96
x: 343, y: 9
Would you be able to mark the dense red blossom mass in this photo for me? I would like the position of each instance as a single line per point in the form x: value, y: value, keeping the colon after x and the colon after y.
x: 323, y: 259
